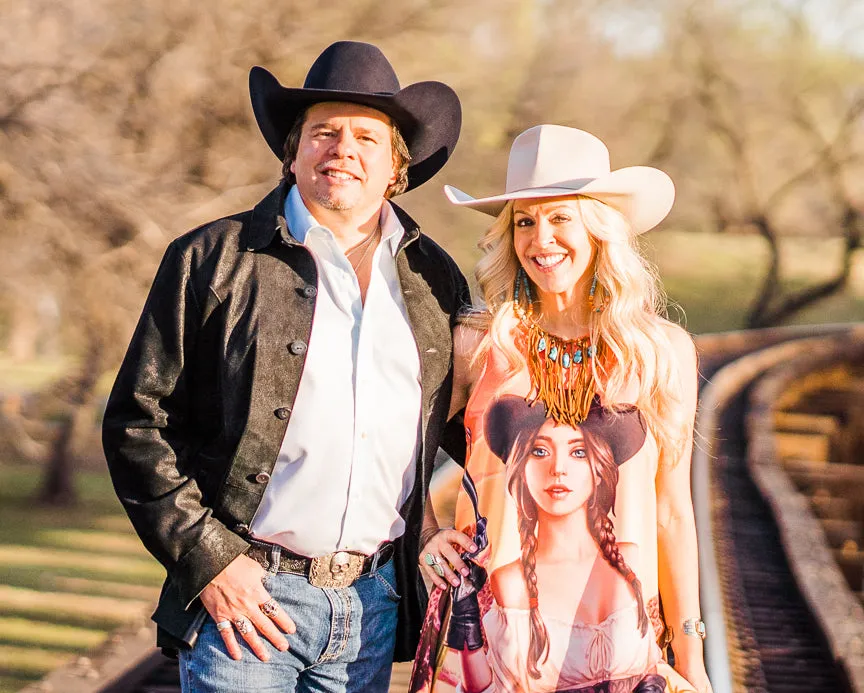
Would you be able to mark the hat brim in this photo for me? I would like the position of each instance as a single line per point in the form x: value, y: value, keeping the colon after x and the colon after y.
x: 428, y: 115
x: 644, y: 195
x: 510, y: 416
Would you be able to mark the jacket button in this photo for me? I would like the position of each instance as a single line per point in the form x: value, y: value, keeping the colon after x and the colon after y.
x: 242, y: 529
x: 282, y: 413
x: 262, y: 477
x: 310, y: 291
x: 297, y: 347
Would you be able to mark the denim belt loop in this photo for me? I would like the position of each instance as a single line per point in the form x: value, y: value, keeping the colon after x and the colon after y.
x: 275, y: 555
x: 375, y: 558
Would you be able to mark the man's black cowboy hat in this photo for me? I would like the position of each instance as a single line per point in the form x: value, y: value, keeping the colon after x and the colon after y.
x: 428, y: 114
x: 623, y: 431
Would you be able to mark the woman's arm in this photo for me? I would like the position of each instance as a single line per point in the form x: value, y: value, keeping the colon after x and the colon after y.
x: 676, y: 532
x: 466, y: 342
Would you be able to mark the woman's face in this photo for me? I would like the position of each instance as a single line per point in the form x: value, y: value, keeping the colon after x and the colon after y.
x: 552, y: 243
x: 558, y: 473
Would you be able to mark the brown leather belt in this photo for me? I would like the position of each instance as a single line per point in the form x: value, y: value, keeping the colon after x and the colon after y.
x: 338, y: 569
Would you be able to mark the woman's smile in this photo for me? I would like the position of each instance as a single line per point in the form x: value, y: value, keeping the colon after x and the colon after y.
x: 548, y: 262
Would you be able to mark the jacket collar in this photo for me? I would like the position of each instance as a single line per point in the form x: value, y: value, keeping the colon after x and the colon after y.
x: 268, y: 220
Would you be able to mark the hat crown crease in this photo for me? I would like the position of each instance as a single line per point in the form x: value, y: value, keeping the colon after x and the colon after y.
x: 551, y: 155
x: 352, y: 67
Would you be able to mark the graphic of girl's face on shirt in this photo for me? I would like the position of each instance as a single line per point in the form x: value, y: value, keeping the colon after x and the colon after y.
x: 558, y: 473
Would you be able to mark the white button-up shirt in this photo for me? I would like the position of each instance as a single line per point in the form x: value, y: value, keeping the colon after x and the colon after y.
x: 347, y: 462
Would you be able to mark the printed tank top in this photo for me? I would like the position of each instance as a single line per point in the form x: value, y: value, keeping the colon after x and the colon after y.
x: 566, y: 524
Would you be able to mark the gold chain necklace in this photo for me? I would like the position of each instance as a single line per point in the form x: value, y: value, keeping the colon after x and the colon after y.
x: 368, y: 245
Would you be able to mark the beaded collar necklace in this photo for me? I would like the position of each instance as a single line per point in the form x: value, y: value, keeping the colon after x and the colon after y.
x: 561, y: 370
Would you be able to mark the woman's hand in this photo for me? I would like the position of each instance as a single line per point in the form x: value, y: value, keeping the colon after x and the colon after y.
x: 697, y: 676
x: 443, y: 547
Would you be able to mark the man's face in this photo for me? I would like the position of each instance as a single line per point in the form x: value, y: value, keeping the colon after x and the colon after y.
x: 345, y: 157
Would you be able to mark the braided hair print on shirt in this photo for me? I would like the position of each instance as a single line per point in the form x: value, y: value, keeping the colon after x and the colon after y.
x: 601, y: 503
x: 538, y: 648
x: 600, y: 524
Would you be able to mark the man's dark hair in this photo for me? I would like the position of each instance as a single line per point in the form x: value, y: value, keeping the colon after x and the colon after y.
x: 400, y: 154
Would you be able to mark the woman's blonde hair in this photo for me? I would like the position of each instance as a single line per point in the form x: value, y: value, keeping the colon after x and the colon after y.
x: 630, y: 324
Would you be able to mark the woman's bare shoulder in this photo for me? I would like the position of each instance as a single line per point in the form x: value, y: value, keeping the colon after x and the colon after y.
x: 467, y: 342
x: 508, y: 586
x: 467, y: 338
x: 681, y: 341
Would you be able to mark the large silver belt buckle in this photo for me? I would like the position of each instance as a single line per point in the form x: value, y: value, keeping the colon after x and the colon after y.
x: 334, y: 570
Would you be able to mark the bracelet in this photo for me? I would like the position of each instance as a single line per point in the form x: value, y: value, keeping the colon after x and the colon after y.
x: 694, y: 627
x: 426, y: 535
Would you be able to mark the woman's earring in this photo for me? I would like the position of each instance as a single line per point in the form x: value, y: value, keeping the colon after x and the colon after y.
x: 520, y: 286
x: 592, y: 298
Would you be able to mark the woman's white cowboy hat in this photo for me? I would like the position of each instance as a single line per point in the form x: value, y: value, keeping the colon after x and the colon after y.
x: 557, y: 161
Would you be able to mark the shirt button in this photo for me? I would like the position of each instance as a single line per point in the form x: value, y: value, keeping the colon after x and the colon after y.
x: 297, y: 347
x: 282, y: 413
x: 310, y: 291
x: 262, y: 477
x: 242, y: 529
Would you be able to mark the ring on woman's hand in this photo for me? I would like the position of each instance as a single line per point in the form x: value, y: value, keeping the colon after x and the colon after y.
x: 432, y: 561
x: 243, y: 625
x: 270, y: 607
x: 223, y: 625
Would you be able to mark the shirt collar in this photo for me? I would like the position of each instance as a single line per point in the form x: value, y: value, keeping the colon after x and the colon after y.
x: 301, y: 222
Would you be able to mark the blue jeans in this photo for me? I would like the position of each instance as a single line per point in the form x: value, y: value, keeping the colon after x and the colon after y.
x: 343, y: 644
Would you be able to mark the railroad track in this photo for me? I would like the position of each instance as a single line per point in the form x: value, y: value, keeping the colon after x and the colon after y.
x: 766, y: 637
x: 779, y: 646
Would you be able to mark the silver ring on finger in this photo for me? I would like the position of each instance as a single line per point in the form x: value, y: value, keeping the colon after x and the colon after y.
x: 223, y: 625
x: 243, y: 625
x: 269, y: 608
x: 434, y: 562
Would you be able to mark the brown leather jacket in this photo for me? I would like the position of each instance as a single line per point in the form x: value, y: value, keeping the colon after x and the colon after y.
x: 205, y: 392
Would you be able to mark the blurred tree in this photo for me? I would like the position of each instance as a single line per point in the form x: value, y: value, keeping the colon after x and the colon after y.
x: 774, y: 141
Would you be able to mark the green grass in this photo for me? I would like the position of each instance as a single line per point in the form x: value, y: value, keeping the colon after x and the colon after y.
x: 13, y: 684
x: 24, y: 633
x: 81, y: 563
x: 92, y: 540
x: 22, y: 519
x: 16, y: 376
x: 27, y: 661
x: 68, y: 577
x: 714, y: 278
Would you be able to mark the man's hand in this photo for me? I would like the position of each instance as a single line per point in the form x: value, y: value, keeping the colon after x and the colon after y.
x: 236, y: 596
